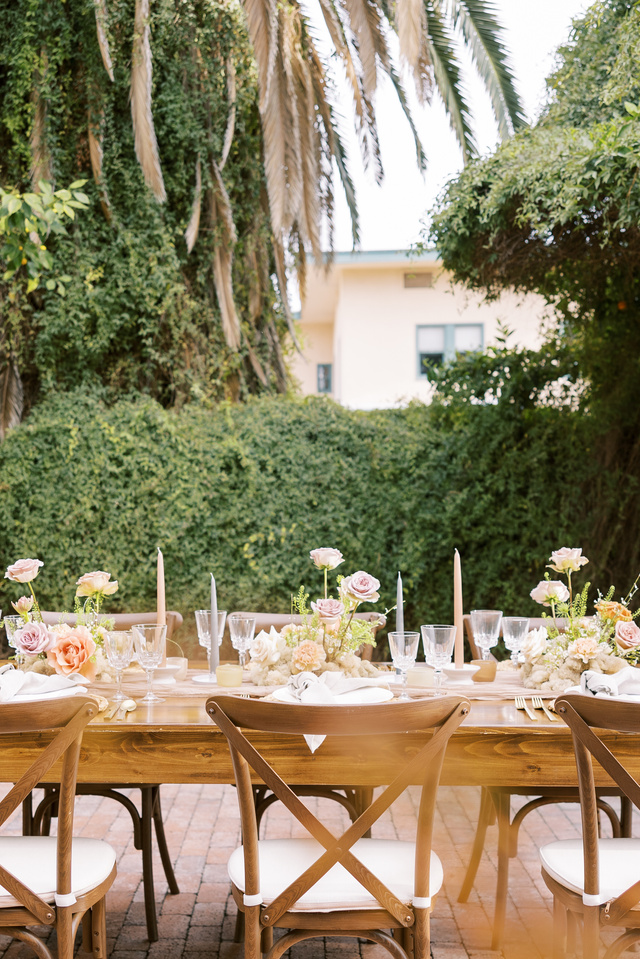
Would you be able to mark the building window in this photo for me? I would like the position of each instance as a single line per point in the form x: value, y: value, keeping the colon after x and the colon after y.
x: 441, y: 344
x: 324, y: 378
x: 416, y: 281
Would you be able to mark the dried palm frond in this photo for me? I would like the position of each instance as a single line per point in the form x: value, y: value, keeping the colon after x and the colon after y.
x: 193, y: 226
x: 220, y: 215
x: 256, y: 364
x: 411, y: 23
x: 101, y: 30
x: 143, y: 129
x: 281, y: 275
x: 366, y: 23
x: 96, y: 154
x: 41, y: 168
x: 11, y: 398
x: 231, y: 119
x: 262, y: 23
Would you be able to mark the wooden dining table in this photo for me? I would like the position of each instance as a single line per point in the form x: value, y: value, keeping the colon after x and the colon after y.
x: 176, y: 742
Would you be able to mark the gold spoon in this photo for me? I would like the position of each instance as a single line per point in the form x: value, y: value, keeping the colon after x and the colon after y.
x: 127, y: 706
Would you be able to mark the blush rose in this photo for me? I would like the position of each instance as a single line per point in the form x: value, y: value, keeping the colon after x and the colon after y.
x: 33, y: 639
x: 360, y: 587
x: 627, y: 636
x: 550, y: 591
x: 96, y: 582
x: 567, y: 560
x: 326, y: 558
x: 24, y: 570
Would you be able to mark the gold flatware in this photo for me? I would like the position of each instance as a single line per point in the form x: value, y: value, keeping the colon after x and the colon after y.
x: 112, y: 710
x: 521, y: 703
x: 539, y: 703
x: 127, y: 706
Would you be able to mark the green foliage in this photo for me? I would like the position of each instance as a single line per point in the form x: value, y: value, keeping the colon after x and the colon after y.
x: 246, y: 491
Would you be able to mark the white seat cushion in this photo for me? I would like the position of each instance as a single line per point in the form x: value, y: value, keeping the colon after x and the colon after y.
x: 283, y: 860
x: 619, y: 863
x: 32, y: 860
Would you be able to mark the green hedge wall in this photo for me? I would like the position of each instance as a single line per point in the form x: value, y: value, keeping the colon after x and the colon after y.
x: 247, y: 490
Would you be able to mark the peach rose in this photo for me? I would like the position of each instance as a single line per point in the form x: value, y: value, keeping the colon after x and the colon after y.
x: 308, y: 656
x: 567, y: 560
x: 360, y: 587
x: 326, y: 558
x: 24, y: 570
x: 616, y: 612
x: 72, y: 652
x: 97, y: 582
x: 24, y: 605
x: 550, y: 591
x: 627, y: 636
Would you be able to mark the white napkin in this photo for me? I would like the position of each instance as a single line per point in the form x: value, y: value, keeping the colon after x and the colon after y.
x: 312, y: 689
x: 18, y: 685
x: 625, y: 683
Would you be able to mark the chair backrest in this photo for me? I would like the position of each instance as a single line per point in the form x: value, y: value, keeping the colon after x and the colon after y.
x: 120, y: 620
x: 422, y: 766
x: 278, y: 620
x: 66, y: 718
x: 583, y: 715
x: 534, y: 623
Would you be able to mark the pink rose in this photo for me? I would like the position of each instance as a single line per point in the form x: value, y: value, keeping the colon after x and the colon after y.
x: 308, y: 656
x: 24, y: 570
x: 567, y: 560
x: 24, y: 605
x: 72, y: 652
x: 360, y: 587
x: 97, y: 582
x: 326, y: 558
x: 328, y: 609
x: 627, y: 636
x: 550, y: 591
x: 33, y: 638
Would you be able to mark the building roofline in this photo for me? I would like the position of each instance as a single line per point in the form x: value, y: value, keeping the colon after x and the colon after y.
x: 382, y: 257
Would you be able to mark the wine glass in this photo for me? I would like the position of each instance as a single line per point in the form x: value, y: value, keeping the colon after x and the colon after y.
x: 203, y: 625
x: 485, y: 625
x: 241, y: 630
x: 11, y: 624
x: 403, y: 648
x: 438, y: 646
x: 514, y: 631
x: 150, y: 643
x: 118, y: 645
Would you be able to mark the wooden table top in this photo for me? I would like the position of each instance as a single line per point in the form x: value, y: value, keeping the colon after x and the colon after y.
x: 176, y: 742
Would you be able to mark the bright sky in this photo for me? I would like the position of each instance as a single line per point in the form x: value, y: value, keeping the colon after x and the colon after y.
x: 390, y: 215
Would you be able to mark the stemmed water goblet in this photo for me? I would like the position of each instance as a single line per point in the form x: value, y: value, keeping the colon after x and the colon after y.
x: 404, y: 649
x: 118, y: 645
x: 438, y: 642
x: 241, y: 630
x: 514, y: 632
x: 150, y: 646
x: 11, y: 624
x: 203, y: 625
x: 485, y: 625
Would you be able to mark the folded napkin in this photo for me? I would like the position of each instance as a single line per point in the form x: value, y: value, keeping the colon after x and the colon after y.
x: 625, y: 683
x: 324, y: 689
x: 16, y: 685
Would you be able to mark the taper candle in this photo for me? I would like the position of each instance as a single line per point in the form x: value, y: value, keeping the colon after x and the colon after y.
x: 161, y: 605
x: 214, y: 659
x: 458, y: 620
x: 399, y: 606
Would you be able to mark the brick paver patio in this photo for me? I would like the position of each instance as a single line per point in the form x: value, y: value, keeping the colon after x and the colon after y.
x: 202, y: 828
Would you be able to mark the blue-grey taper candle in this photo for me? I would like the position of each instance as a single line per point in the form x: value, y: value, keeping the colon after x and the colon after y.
x: 214, y: 657
x: 399, y: 607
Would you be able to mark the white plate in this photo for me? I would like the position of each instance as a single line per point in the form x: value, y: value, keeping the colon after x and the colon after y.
x: 367, y: 694
x: 53, y: 694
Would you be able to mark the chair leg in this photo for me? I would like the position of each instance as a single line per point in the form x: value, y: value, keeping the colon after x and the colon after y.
x: 162, y: 842
x: 559, y: 929
x: 266, y: 939
x: 238, y: 932
x: 626, y: 815
x: 486, y: 817
x: 591, y: 932
x: 87, y: 932
x: 503, y: 810
x: 64, y: 932
x: 147, y: 864
x: 99, y: 929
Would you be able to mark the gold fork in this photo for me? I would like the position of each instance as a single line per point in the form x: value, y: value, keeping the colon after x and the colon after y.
x: 522, y: 704
x: 538, y: 703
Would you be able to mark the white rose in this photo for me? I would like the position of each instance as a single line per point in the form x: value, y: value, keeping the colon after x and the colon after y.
x: 264, y: 649
x: 534, y: 645
x: 326, y: 558
x: 567, y: 560
x: 548, y: 591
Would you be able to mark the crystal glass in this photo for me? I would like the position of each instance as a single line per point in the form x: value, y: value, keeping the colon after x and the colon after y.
x: 203, y: 625
x: 150, y: 646
x: 11, y: 623
x: 404, y: 649
x: 514, y: 631
x: 438, y: 642
x: 241, y: 630
x: 485, y: 624
x: 118, y: 645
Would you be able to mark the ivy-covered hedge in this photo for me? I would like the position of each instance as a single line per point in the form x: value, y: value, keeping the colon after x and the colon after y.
x: 247, y: 490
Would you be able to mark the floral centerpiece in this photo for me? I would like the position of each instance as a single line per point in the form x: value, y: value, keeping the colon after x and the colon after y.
x: 328, y: 637
x: 605, y: 642
x: 62, y: 648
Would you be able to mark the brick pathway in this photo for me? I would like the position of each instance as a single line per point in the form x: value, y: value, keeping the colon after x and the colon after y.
x: 202, y: 828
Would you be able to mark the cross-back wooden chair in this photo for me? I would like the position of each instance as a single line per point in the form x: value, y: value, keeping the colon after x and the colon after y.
x: 344, y: 885
x: 53, y: 881
x: 148, y: 818
x: 495, y: 807
x: 594, y: 879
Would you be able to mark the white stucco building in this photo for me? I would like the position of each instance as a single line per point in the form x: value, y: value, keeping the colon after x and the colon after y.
x: 374, y: 321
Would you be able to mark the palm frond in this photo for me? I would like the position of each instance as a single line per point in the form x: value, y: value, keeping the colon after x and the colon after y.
x: 448, y: 78
x: 94, y: 132
x: 11, y: 398
x: 144, y: 132
x: 262, y: 24
x: 483, y: 36
x: 193, y: 226
x: 421, y: 157
x: 281, y: 276
x: 101, y: 30
x: 411, y: 25
x: 367, y: 26
x: 231, y: 119
x: 221, y: 219
x: 256, y: 365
